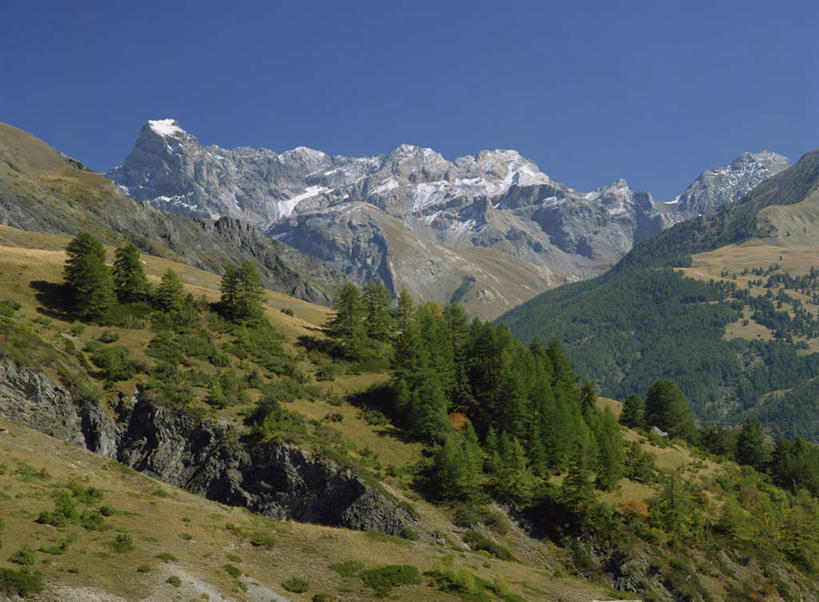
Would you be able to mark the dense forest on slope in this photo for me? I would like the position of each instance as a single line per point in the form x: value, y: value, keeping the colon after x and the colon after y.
x: 643, y: 320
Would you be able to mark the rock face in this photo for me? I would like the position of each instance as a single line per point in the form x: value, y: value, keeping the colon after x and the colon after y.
x: 723, y: 185
x: 334, y: 207
x: 275, y: 479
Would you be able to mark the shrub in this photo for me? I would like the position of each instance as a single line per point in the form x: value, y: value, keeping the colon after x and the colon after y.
x: 166, y: 557
x: 410, y: 533
x: 86, y: 495
x: 232, y: 570
x: 324, y: 597
x: 24, y: 555
x: 20, y: 582
x: 260, y: 540
x: 8, y: 307
x: 479, y: 541
x: 92, y: 520
x: 297, y: 585
x: 122, y: 543
x: 186, y: 536
x: 144, y: 568
x: 174, y: 580
x: 114, y: 362
x: 348, y: 568
x: 383, y: 579
x: 109, y: 336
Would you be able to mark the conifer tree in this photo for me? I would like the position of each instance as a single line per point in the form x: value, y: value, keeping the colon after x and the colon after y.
x: 610, y: 454
x: 405, y: 309
x: 379, y: 320
x: 751, y: 447
x: 667, y: 409
x: 347, y: 327
x: 576, y: 491
x: 242, y: 292
x: 454, y: 474
x: 170, y: 294
x: 633, y: 411
x: 130, y: 282
x: 89, y: 280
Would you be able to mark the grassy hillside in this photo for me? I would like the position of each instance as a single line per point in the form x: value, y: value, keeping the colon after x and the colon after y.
x: 729, y: 534
x: 725, y: 305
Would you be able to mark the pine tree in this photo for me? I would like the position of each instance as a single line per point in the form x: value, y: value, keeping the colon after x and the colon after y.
x: 610, y: 455
x: 242, y: 292
x: 89, y: 280
x: 667, y: 409
x: 633, y: 412
x: 130, y: 282
x: 405, y: 309
x: 576, y: 491
x: 170, y: 294
x: 751, y: 447
x: 347, y: 327
x: 379, y: 320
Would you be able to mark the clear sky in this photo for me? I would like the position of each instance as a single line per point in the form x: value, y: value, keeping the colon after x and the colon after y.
x: 652, y: 91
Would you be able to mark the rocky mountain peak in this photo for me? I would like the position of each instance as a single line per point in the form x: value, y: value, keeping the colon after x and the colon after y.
x: 165, y: 127
x: 720, y: 185
x: 494, y: 200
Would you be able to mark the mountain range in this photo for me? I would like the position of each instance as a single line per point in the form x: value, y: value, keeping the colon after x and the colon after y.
x: 725, y: 304
x: 489, y: 230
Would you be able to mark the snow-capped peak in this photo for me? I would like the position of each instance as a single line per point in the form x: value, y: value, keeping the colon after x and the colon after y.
x: 165, y: 127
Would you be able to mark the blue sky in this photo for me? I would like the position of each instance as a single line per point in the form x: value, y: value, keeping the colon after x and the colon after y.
x: 651, y: 91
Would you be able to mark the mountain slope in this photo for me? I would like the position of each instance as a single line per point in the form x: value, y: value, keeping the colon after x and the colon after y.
x: 732, y: 345
x: 41, y: 190
x: 686, y: 527
x: 494, y: 200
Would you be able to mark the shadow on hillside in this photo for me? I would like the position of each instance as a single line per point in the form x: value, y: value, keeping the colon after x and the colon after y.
x: 311, y: 343
x: 378, y: 405
x: 53, y: 298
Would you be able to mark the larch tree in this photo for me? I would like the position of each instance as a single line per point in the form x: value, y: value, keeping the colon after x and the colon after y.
x: 130, y: 282
x: 88, y: 279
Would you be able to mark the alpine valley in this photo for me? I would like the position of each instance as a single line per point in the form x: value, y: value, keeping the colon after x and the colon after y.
x: 249, y: 375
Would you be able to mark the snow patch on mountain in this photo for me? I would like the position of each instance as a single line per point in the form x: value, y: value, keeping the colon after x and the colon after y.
x: 166, y: 127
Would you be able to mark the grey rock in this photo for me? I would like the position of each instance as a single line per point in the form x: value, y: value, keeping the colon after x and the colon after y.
x: 724, y: 185
x: 209, y: 458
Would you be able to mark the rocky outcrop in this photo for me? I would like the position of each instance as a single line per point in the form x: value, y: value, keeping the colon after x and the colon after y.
x: 210, y: 458
x: 721, y: 186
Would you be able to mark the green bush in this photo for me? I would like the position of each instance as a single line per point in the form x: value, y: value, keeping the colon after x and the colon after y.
x: 479, y: 541
x: 24, y: 555
x: 324, y: 597
x: 297, y: 585
x: 8, y: 307
x: 20, y: 582
x: 260, y: 540
x: 109, y: 336
x: 166, y: 557
x: 122, y: 543
x: 92, y: 520
x: 144, y: 568
x: 174, y: 580
x: 86, y: 495
x: 232, y: 570
x: 114, y: 362
x: 383, y: 579
x: 348, y: 568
